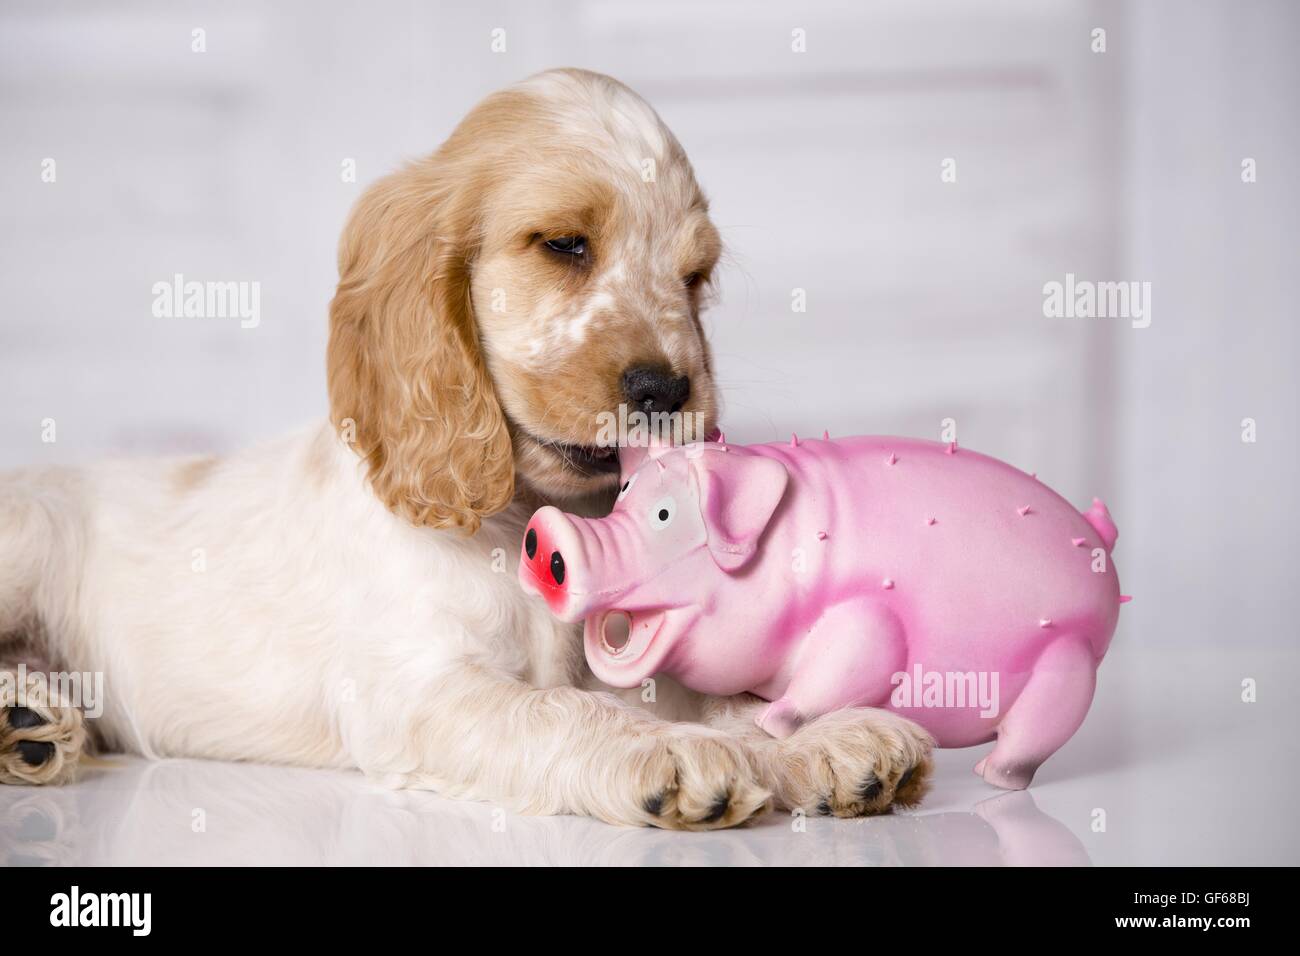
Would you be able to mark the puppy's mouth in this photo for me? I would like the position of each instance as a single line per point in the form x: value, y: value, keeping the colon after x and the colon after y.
x: 583, y: 459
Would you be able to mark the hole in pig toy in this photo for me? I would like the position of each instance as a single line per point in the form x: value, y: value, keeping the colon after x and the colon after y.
x: 616, y: 631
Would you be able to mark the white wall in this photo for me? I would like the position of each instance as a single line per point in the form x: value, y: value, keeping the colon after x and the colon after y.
x: 1211, y: 526
x: 823, y: 168
x: 924, y: 298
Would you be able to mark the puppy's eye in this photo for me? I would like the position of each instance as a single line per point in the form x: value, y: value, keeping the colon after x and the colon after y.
x: 692, y: 280
x: 568, y: 245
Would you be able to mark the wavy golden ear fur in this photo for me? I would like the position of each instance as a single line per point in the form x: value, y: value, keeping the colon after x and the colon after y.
x: 407, y: 382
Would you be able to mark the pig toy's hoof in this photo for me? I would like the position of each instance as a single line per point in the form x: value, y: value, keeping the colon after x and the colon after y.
x: 1015, y: 777
x: 780, y: 719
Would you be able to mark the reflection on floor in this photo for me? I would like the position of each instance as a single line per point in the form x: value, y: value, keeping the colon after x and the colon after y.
x: 1171, y: 768
x: 196, y: 812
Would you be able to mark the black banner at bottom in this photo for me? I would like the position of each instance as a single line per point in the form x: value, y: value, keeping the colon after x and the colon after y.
x: 333, y: 905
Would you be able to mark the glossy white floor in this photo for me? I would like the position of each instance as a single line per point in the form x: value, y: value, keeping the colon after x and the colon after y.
x: 1172, y: 767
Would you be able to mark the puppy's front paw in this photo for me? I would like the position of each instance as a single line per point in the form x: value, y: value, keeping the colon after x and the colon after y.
x: 852, y: 763
x: 691, y: 779
x: 40, y: 744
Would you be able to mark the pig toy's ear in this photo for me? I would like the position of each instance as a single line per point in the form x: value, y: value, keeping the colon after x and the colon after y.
x: 738, y: 494
x: 630, y: 458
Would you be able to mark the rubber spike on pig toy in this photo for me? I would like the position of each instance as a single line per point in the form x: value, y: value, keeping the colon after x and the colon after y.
x: 1100, y: 519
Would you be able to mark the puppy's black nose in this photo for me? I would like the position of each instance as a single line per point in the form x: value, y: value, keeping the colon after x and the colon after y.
x: 651, y: 389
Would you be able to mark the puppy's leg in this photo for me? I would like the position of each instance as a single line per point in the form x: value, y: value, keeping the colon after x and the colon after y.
x: 41, y: 738
x: 853, y: 762
x: 478, y: 733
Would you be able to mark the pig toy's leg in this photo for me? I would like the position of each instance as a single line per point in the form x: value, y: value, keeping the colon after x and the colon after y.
x: 1045, y: 715
x: 847, y: 659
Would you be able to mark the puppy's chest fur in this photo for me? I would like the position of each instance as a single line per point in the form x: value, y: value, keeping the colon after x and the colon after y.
x: 452, y: 596
x: 279, y: 577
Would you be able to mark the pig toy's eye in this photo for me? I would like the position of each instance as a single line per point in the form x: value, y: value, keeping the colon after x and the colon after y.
x: 627, y: 486
x: 662, y: 514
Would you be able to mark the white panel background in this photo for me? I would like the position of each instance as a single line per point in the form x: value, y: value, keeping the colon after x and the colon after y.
x: 924, y: 298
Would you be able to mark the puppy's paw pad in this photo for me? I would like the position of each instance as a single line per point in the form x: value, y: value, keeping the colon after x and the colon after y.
x: 854, y: 763
x: 23, y: 718
x: 701, y: 782
x: 914, y: 784
x: 35, y: 749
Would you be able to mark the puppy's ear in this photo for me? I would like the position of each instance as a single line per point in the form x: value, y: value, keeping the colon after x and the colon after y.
x: 407, y: 383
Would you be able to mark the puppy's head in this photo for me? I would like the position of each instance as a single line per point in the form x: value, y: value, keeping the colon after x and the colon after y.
x: 546, y: 265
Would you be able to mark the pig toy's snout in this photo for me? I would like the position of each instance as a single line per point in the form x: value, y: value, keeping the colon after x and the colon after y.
x: 556, y: 562
x: 588, y: 569
x: 554, y: 552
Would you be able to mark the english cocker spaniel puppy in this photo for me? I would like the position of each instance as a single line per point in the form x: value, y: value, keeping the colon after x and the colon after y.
x: 346, y: 597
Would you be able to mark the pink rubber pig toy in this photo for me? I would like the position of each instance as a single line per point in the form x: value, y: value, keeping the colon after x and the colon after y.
x: 933, y: 581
